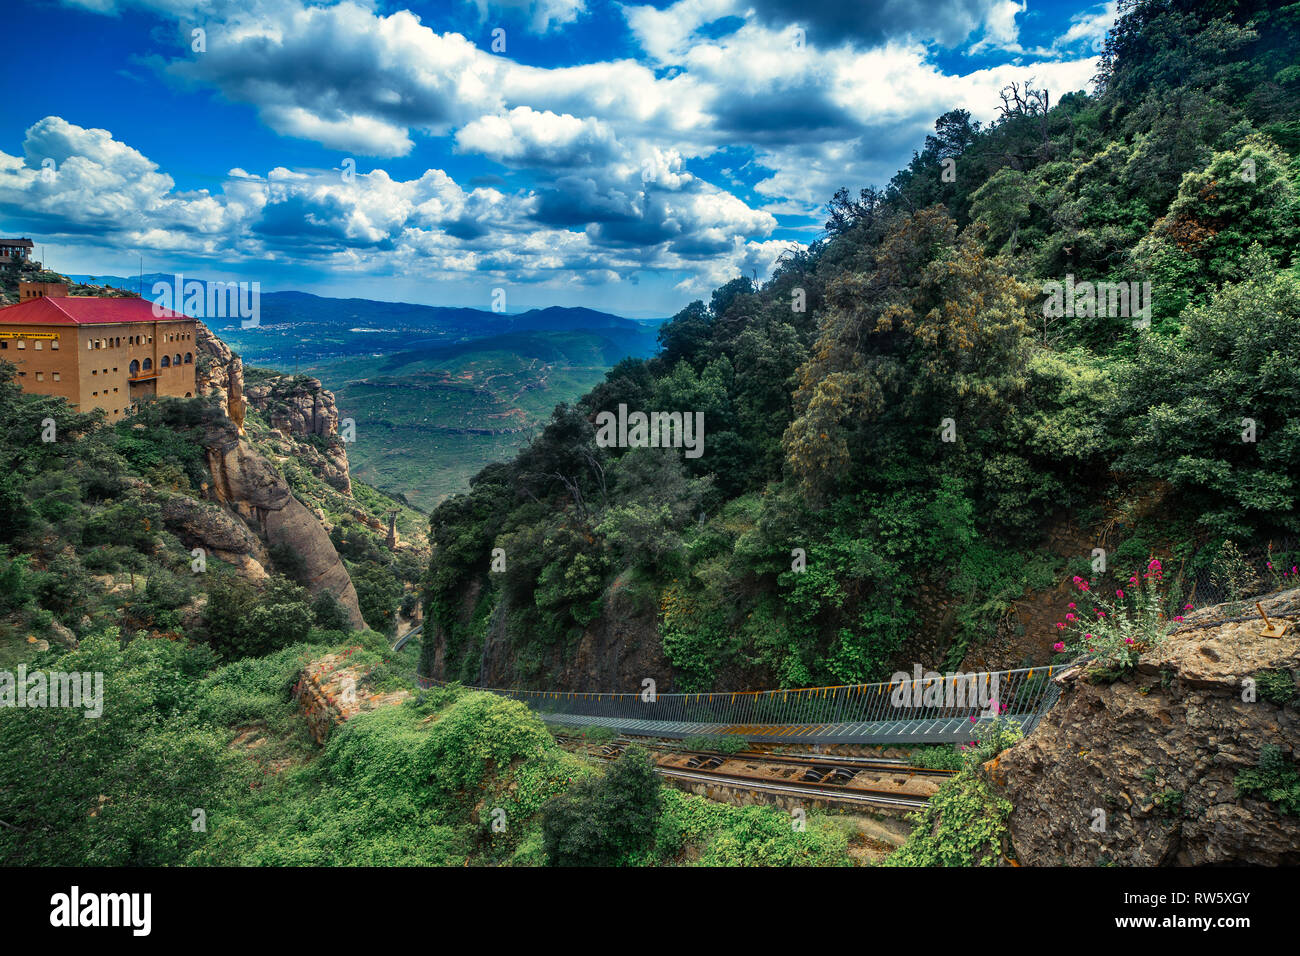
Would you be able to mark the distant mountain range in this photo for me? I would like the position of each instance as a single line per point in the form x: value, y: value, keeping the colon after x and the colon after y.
x: 291, y: 307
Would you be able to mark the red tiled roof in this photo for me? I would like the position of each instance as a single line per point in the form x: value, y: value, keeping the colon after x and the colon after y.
x: 85, y: 310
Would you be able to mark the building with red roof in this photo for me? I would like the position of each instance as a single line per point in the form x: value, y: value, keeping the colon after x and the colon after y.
x: 99, y: 352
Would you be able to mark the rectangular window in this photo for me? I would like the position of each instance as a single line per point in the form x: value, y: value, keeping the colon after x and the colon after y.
x: 22, y: 343
x: 39, y: 345
x: 94, y: 371
x: 54, y: 345
x: 57, y: 377
x: 40, y: 376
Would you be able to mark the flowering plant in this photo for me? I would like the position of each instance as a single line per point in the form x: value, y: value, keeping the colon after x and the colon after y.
x: 1114, y: 631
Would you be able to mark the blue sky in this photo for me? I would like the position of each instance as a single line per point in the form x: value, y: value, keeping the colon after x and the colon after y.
x: 621, y: 156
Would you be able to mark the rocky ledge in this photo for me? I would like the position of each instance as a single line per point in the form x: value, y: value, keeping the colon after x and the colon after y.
x: 1141, y: 772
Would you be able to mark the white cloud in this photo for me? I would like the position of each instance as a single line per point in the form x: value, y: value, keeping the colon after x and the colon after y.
x: 527, y: 137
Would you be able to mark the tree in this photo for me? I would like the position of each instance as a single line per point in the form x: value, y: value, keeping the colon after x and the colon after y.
x: 602, y: 820
x: 1209, y: 411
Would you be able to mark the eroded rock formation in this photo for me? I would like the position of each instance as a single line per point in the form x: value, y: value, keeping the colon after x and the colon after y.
x: 304, y: 411
x: 246, y: 483
x: 220, y: 372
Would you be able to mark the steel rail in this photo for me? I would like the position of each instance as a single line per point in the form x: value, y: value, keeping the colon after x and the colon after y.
x: 836, y: 794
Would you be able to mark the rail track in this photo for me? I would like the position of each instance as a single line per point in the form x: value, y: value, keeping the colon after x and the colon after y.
x: 831, y: 779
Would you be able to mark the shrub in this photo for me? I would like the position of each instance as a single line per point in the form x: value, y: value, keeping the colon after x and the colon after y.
x: 1115, y: 632
x: 329, y: 614
x: 601, y: 820
x: 1277, y: 686
x: 964, y: 822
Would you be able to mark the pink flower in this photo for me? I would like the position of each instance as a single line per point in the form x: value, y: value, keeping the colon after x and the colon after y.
x: 1187, y: 607
x: 1071, y: 605
x: 1178, y: 617
x: 1154, y: 565
x: 1069, y: 617
x: 1119, y: 594
x: 1059, y: 624
x: 1128, y: 640
x: 1058, y: 647
x: 1087, y: 637
x: 972, y: 718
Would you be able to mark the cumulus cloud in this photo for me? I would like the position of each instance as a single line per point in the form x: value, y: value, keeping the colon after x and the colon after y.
x: 83, y: 184
x: 526, y: 137
x: 601, y: 163
x: 666, y: 33
x: 345, y: 76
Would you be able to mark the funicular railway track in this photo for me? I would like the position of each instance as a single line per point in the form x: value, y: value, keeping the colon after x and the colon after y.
x: 844, y: 780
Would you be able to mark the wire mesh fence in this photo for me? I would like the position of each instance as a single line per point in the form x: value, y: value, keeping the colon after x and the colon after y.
x: 1022, y: 693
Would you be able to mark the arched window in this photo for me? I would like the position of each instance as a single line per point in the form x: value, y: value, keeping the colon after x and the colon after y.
x: 188, y: 395
x: 189, y: 358
x: 148, y: 364
x: 177, y: 359
x: 134, y: 368
x: 164, y: 362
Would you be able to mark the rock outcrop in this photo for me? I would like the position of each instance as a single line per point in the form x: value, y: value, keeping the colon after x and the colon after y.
x: 330, y: 691
x: 220, y: 372
x: 246, y: 483
x: 1141, y: 771
x: 304, y: 411
x: 217, y: 531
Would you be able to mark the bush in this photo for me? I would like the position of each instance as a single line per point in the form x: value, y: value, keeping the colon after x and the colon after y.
x: 601, y: 820
x: 239, y: 621
x: 329, y: 614
x: 1115, y: 631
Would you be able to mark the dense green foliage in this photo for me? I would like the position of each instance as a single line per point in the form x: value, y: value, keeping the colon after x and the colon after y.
x: 202, y: 765
x: 897, y: 407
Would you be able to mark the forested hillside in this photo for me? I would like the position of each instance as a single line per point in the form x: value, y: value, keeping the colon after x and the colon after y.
x: 909, y: 407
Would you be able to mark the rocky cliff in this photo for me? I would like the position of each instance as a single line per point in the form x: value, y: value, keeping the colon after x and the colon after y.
x: 1141, y: 771
x: 303, y: 411
x: 248, y: 485
x: 220, y: 372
